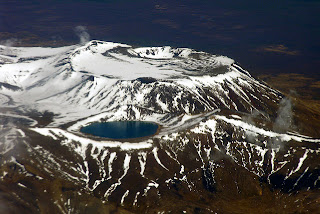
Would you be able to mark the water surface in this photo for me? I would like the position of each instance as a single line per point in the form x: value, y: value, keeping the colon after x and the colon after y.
x: 121, y: 129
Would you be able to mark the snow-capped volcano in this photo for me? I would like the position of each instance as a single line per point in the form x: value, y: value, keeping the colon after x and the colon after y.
x: 103, y: 75
x: 201, y: 101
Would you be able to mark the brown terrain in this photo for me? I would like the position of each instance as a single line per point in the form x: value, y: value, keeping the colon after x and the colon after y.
x: 305, y: 94
x: 253, y: 196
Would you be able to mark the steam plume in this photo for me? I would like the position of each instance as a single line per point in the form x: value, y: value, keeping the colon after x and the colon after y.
x: 284, y: 119
x: 8, y: 43
x: 82, y: 33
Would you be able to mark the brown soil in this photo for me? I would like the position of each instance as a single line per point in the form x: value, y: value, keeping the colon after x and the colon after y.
x: 305, y: 95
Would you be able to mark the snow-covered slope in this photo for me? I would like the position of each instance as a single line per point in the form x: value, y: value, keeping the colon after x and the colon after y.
x: 201, y: 101
x: 101, y: 76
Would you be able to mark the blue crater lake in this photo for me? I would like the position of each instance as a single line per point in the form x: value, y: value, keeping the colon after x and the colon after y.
x: 121, y: 129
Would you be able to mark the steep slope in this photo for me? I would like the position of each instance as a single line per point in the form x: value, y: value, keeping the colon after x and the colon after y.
x: 217, y: 140
x: 102, y: 76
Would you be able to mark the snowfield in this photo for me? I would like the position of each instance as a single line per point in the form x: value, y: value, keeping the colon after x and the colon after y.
x: 111, y: 81
x: 199, y: 100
